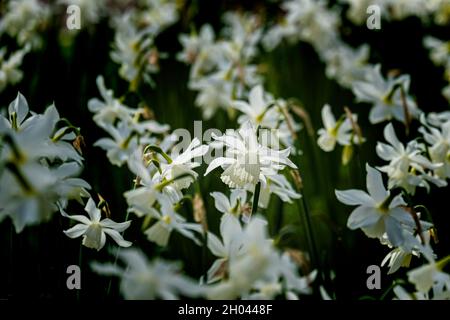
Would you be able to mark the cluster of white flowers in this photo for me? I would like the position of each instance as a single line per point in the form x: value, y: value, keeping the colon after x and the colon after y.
x: 440, y: 55
x: 222, y: 70
x: 24, y: 20
x: 40, y: 154
x: 345, y: 131
x: 399, y: 9
x: 39, y: 165
x: 10, y: 72
x: 136, y: 30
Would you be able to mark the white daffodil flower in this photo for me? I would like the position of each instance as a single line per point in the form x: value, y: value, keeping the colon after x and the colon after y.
x: 38, y: 166
x: 334, y: 132
x: 23, y: 20
x: 378, y: 211
x: 346, y: 64
x: 429, y: 275
x: 183, y: 164
x: 10, y: 72
x: 407, y: 166
x: 439, y: 50
x: 141, y: 279
x: 246, y: 161
x: 385, y: 96
x: 167, y: 221
x: 257, y: 110
x: 199, y: 50
x: 230, y: 247
x: 142, y: 198
x: 257, y: 267
x: 277, y: 184
x: 232, y: 205
x: 439, y: 150
x: 110, y: 109
x: 401, y: 256
x: 122, y: 145
x: 94, y: 230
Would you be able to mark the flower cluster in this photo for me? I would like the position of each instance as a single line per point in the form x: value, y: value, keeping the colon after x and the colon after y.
x: 39, y: 165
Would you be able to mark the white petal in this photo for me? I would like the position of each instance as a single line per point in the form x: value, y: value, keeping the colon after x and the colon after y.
x: 374, y: 183
x: 117, y: 237
x: 363, y: 217
x: 328, y: 118
x: 76, y: 231
x: 108, y: 223
x: 354, y: 197
x: 221, y: 202
x: 219, y: 162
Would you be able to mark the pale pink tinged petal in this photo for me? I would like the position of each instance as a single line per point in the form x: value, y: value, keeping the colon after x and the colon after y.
x: 76, y: 231
x: 354, y: 197
x: 221, y: 202
x: 363, y: 217
x: 375, y: 186
x: 117, y: 237
x: 219, y: 162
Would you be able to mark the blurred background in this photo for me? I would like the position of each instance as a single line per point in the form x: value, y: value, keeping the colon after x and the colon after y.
x: 33, y: 264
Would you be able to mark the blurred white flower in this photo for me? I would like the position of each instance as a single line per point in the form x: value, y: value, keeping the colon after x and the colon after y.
x: 232, y: 205
x: 122, y: 145
x: 407, y: 166
x: 38, y: 166
x: 94, y: 230
x: 277, y: 184
x: 24, y: 20
x: 110, y: 109
x: 141, y: 279
x: 430, y: 275
x: 439, y: 51
x: 335, y: 131
x: 377, y: 212
x: 10, y: 72
x: 439, y: 150
x: 167, y: 221
x: 385, y: 96
x: 227, y: 249
x: 257, y: 268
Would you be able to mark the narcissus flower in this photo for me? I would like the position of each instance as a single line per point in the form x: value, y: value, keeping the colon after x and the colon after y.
x: 94, y: 230
x: 378, y: 211
x: 247, y: 162
x: 142, y: 279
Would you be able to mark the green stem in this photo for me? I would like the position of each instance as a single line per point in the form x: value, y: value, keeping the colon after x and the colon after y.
x: 309, y: 233
x: 256, y: 198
